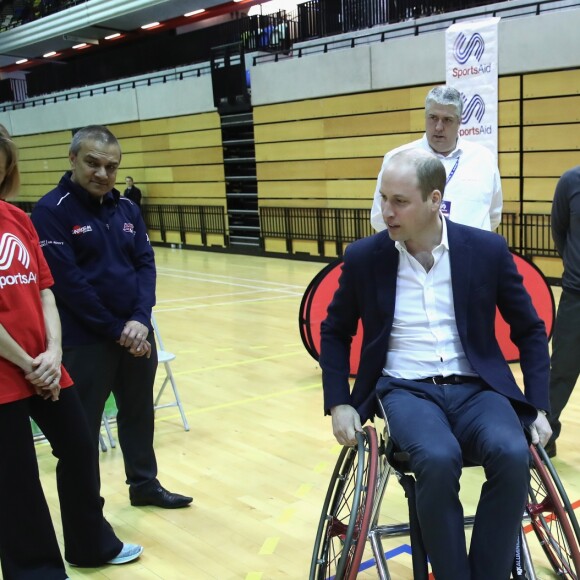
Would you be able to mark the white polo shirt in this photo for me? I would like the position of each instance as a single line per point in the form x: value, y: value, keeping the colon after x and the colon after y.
x: 473, y: 193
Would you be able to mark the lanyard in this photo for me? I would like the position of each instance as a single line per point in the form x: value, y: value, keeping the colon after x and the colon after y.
x: 452, y: 172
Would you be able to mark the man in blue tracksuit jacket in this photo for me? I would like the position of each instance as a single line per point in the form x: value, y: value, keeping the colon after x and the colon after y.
x: 96, y: 245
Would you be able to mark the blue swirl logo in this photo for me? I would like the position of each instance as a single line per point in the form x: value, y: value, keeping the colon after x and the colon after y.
x: 463, y: 48
x: 475, y: 106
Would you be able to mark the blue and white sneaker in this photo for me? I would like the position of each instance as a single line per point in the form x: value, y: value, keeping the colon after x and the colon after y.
x: 128, y: 553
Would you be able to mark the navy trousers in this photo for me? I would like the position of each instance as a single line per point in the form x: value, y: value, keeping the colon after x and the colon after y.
x: 440, y: 426
x: 28, y: 544
x: 105, y: 367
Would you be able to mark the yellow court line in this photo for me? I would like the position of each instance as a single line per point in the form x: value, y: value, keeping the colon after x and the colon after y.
x: 303, y: 490
x: 200, y: 410
x: 238, y: 363
x: 254, y: 576
x: 269, y: 546
x: 321, y: 467
x: 286, y: 515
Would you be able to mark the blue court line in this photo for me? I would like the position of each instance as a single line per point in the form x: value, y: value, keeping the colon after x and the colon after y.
x: 402, y: 549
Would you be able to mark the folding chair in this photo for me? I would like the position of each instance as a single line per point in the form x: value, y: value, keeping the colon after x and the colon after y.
x: 165, y: 357
x: 105, y: 423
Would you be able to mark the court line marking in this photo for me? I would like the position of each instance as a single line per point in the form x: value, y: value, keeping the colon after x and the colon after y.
x: 208, y: 296
x: 269, y: 546
x: 238, y: 363
x: 239, y: 402
x: 187, y: 273
x: 231, y: 303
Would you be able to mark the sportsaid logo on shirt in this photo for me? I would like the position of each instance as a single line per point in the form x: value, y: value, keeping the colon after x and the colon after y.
x: 12, y: 251
x: 78, y: 230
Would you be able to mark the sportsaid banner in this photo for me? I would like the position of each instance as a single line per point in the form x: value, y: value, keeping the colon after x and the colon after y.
x: 471, y: 57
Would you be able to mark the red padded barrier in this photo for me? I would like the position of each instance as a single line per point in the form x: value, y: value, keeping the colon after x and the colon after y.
x: 321, y: 289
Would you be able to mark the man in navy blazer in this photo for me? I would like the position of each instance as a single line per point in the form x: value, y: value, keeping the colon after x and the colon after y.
x: 426, y: 291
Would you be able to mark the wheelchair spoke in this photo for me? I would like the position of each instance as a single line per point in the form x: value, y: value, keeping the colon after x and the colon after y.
x: 551, y: 523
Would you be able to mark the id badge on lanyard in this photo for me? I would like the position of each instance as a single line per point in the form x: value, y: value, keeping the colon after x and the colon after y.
x: 445, y: 204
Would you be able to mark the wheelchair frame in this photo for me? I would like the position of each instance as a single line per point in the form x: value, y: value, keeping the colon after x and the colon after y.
x: 351, y: 510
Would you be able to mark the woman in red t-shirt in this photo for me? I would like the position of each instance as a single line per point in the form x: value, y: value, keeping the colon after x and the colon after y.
x: 34, y: 384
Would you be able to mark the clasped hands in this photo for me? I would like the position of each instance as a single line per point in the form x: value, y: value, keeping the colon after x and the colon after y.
x: 44, y: 374
x: 134, y: 338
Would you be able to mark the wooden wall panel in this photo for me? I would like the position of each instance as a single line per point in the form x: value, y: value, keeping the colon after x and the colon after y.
x: 174, y: 160
x: 549, y: 164
x: 552, y: 137
x: 552, y: 111
x: 552, y: 84
x: 363, y: 167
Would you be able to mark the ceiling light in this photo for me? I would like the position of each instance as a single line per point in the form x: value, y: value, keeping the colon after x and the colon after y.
x: 22, y: 61
x: 81, y: 45
x: 49, y: 54
x: 150, y: 25
x: 199, y: 11
x: 237, y: 0
x: 113, y: 36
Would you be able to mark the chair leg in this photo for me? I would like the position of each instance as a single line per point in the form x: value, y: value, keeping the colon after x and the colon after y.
x: 169, y: 378
x: 107, y: 426
x: 158, y: 397
x: 178, y: 399
x: 102, y: 443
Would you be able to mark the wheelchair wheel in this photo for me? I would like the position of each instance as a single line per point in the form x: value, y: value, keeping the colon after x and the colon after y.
x: 344, y: 522
x: 552, y: 518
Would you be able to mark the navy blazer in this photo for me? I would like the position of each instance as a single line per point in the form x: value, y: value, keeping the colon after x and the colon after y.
x: 483, y: 276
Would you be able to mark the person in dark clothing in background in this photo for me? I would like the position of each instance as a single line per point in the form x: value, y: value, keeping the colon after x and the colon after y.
x: 132, y: 192
x: 96, y: 244
x: 565, y: 363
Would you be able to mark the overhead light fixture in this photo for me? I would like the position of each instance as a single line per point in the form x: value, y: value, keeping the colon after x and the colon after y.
x: 80, y: 39
x: 113, y: 36
x: 199, y: 11
x: 49, y: 54
x: 81, y: 45
x: 150, y: 25
x: 237, y: 0
x: 22, y: 61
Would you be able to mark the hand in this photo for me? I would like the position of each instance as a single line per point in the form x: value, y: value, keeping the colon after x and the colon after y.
x: 540, y: 430
x: 345, y: 424
x: 143, y: 350
x: 134, y: 337
x: 45, y: 369
x: 51, y: 391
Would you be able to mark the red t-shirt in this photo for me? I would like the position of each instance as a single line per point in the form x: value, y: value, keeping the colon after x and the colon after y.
x: 23, y: 274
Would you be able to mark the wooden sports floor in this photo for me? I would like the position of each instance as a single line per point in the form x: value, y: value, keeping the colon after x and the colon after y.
x: 259, y: 455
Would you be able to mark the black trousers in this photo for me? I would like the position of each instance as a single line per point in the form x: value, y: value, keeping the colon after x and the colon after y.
x: 105, y: 367
x: 28, y: 544
x: 565, y: 362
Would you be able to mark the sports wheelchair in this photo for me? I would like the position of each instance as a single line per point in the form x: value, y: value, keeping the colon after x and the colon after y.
x: 351, y: 510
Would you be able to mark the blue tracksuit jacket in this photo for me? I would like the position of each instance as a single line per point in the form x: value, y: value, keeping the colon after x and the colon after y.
x: 101, y: 260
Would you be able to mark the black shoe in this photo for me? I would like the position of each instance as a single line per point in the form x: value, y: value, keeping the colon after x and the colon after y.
x: 550, y: 449
x: 160, y: 497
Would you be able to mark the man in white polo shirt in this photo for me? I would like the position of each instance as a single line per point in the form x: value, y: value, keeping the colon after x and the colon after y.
x: 473, y: 195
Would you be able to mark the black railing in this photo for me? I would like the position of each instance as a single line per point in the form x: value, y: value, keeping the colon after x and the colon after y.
x: 320, y: 18
x: 184, y: 219
x: 529, y: 235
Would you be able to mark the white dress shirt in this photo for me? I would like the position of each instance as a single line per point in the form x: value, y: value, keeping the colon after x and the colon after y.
x: 424, y: 340
x: 473, y: 193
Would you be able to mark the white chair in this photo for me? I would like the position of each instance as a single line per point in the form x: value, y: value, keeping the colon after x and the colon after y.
x: 165, y: 357
x: 107, y: 425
